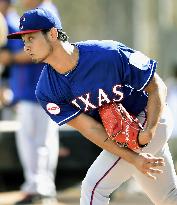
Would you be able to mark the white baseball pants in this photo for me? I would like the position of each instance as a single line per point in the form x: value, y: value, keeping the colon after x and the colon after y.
x: 38, y: 148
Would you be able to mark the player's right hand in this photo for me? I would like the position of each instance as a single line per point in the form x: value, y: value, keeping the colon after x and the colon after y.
x: 149, y: 165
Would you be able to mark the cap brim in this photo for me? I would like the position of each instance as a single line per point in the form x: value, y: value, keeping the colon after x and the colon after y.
x: 18, y: 35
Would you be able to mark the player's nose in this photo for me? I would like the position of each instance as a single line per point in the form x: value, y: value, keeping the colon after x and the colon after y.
x: 27, y: 49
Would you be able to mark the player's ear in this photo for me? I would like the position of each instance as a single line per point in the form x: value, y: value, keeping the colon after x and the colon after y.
x: 53, y: 34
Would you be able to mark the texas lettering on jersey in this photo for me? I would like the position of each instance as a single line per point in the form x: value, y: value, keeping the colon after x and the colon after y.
x: 102, y: 98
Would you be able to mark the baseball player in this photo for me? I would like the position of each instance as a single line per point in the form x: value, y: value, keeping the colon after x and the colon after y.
x: 81, y: 77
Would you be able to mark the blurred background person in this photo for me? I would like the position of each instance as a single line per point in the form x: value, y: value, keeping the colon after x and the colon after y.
x: 9, y: 13
x: 3, y: 30
x: 47, y: 4
x: 37, y: 139
x: 3, y: 41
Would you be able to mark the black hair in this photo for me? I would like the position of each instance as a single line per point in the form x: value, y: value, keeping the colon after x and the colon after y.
x: 62, y: 36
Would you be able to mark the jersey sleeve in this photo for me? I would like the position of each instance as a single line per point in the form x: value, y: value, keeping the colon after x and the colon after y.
x: 135, y: 68
x: 60, y: 112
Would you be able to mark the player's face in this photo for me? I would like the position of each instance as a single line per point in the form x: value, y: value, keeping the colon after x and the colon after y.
x: 37, y: 46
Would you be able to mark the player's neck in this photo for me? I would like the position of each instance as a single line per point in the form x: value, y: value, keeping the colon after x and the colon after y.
x: 64, y: 57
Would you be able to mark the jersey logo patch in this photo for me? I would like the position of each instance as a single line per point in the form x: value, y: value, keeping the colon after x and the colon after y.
x: 139, y: 60
x: 53, y: 109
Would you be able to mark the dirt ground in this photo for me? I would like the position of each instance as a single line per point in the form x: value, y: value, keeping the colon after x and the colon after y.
x: 71, y: 197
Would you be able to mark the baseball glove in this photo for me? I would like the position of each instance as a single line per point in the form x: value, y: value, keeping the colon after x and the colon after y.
x: 120, y: 126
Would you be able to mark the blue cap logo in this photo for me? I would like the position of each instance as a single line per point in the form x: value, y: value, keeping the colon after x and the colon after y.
x: 21, y: 20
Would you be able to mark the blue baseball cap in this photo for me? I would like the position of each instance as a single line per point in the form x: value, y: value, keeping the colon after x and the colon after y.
x: 34, y: 21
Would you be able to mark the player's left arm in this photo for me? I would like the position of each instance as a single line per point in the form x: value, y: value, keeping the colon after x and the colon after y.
x: 157, y: 92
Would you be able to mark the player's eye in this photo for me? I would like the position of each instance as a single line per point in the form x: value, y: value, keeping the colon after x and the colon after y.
x: 30, y: 38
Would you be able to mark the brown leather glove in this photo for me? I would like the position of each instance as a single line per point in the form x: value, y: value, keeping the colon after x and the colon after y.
x: 120, y: 126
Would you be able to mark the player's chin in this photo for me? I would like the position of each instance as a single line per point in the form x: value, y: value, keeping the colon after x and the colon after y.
x: 34, y: 60
x: 40, y: 60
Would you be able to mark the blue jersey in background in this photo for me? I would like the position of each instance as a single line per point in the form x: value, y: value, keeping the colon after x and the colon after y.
x: 23, y: 77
